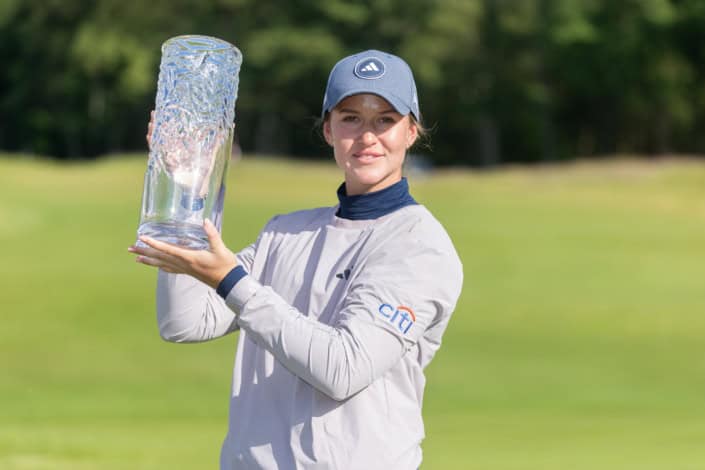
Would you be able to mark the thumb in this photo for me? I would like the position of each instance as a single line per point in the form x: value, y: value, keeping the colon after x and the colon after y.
x: 214, y: 238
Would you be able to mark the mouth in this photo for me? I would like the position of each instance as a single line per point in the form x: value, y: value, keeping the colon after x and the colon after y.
x: 367, y: 157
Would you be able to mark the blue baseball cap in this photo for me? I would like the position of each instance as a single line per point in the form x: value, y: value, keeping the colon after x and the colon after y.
x: 376, y: 72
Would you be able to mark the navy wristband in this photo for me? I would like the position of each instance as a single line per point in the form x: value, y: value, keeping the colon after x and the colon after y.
x: 229, y: 281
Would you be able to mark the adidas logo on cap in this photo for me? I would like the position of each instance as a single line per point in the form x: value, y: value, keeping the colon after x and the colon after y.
x: 369, y: 68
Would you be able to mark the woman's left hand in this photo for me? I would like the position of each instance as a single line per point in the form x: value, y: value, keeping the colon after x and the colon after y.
x: 208, y: 266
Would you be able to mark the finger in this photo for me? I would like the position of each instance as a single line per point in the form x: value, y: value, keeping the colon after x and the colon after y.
x: 160, y: 264
x: 157, y: 263
x: 150, y: 127
x: 164, y: 248
x: 141, y: 250
x: 151, y: 253
x: 168, y: 254
x: 146, y: 250
x: 214, y: 238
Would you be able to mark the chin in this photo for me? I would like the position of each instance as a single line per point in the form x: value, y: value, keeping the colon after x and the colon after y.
x: 370, y: 181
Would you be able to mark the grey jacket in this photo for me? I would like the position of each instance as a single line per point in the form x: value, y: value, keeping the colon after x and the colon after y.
x: 338, y: 320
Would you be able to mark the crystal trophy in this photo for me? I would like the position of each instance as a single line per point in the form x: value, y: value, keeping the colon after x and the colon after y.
x: 191, y: 140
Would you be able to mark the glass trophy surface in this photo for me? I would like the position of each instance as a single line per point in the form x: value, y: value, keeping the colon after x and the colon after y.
x: 191, y: 141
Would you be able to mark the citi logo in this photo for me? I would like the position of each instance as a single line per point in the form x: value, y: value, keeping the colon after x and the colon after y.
x: 369, y: 68
x: 401, y: 317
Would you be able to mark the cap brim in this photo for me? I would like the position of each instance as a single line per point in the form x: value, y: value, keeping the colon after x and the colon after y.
x: 396, y: 103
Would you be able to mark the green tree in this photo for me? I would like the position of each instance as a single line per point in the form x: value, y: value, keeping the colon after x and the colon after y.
x: 499, y: 80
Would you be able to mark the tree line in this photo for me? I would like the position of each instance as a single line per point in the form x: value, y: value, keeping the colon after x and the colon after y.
x: 499, y: 80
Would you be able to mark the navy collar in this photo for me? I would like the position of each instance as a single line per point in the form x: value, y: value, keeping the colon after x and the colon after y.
x: 376, y: 204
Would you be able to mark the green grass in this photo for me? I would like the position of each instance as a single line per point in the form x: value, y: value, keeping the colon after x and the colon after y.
x: 578, y: 342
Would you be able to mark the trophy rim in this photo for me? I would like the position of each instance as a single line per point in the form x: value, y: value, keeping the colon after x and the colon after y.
x: 193, y: 37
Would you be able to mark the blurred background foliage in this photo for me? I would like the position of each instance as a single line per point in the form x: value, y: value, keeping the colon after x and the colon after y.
x: 499, y: 80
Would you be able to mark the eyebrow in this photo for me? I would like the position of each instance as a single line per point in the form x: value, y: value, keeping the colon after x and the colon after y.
x: 349, y: 110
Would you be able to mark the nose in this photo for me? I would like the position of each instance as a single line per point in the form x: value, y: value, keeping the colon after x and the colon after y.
x: 368, y: 137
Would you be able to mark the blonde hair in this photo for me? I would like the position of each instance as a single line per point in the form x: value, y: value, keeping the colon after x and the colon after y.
x: 421, y: 131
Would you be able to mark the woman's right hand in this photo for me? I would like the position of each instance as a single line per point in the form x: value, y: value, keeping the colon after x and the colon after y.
x: 168, y: 160
x: 209, y: 266
x: 150, y: 129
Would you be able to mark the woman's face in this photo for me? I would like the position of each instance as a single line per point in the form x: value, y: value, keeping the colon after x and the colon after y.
x: 369, y: 139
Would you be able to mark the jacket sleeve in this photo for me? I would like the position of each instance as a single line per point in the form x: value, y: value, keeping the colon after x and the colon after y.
x: 189, y: 311
x: 390, y: 304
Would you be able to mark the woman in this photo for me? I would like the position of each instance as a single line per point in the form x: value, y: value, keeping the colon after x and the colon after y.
x: 339, y: 308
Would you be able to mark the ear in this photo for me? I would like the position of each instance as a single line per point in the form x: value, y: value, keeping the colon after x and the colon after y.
x: 327, y: 134
x: 412, y: 134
